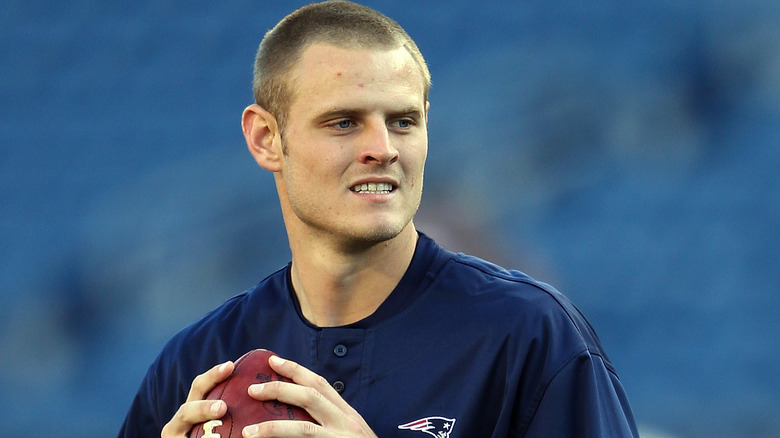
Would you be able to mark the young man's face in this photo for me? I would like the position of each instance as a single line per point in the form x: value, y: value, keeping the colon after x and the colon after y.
x: 355, y: 143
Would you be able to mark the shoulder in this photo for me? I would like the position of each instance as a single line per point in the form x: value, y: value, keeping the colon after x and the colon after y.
x: 216, y: 337
x: 209, y: 337
x: 220, y: 334
x: 524, y: 307
x: 481, y: 279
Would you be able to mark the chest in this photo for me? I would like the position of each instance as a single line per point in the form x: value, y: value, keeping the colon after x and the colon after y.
x: 444, y: 381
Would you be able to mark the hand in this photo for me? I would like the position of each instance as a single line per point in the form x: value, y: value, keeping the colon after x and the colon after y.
x: 311, y: 392
x: 196, y: 410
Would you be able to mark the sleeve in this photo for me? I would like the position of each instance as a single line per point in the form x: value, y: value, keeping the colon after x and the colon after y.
x: 161, y: 393
x: 142, y: 419
x: 589, y: 395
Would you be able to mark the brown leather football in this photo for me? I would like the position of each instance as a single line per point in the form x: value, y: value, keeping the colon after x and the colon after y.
x: 243, y: 410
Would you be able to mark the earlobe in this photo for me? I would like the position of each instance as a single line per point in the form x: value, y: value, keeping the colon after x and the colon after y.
x: 261, y: 132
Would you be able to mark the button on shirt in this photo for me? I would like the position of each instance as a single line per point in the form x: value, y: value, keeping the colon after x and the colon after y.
x: 341, y: 356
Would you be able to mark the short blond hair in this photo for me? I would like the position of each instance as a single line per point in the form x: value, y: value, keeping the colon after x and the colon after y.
x: 333, y: 22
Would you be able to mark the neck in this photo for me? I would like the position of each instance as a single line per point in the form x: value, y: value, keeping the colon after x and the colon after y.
x: 335, y: 286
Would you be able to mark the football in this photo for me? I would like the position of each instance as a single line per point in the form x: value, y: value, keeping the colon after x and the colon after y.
x: 243, y: 410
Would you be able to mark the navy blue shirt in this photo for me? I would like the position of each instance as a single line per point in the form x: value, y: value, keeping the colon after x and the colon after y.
x: 462, y: 348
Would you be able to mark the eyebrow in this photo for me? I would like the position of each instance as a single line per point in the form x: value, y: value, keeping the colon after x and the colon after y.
x: 353, y: 112
x: 411, y: 111
x: 339, y: 112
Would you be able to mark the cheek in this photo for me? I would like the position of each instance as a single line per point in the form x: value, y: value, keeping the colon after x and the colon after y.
x: 416, y: 165
x: 312, y: 175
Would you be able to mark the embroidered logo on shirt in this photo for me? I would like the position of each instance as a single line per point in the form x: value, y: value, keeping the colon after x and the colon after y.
x: 438, y: 427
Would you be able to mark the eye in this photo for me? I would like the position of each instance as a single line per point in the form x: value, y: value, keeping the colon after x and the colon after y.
x: 343, y: 124
x: 403, y: 123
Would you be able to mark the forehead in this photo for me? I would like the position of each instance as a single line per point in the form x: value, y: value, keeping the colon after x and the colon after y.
x: 330, y: 72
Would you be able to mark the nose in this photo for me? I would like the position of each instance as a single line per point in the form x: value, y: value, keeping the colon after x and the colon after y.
x: 377, y: 146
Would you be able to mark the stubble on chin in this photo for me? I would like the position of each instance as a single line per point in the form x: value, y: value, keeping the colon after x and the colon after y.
x: 357, y: 241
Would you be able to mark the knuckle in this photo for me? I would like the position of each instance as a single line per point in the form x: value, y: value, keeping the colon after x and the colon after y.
x: 180, y: 415
x: 308, y: 429
x: 313, y: 394
x: 273, y: 387
x: 321, y: 383
x: 185, y: 414
x: 311, y: 397
x: 267, y: 429
x: 199, y: 383
x: 194, y: 412
x: 204, y: 409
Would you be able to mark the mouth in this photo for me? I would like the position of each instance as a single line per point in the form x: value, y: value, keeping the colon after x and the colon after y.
x: 378, y: 188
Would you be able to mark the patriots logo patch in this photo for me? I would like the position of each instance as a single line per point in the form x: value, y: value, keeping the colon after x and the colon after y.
x: 438, y: 427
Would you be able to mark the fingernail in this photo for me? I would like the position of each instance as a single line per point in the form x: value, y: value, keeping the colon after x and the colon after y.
x: 215, y: 408
x: 223, y: 366
x: 255, y: 389
x: 251, y: 430
x: 277, y: 360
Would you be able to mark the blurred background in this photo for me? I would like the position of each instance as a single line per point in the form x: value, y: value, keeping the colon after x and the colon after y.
x: 625, y: 152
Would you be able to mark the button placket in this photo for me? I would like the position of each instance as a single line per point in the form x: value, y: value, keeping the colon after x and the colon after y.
x: 340, y: 353
x: 339, y: 350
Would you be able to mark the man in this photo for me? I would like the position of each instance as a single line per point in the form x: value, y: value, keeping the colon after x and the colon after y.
x: 383, y: 332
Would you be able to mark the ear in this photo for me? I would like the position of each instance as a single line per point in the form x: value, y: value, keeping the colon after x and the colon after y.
x: 427, y: 107
x: 263, y: 139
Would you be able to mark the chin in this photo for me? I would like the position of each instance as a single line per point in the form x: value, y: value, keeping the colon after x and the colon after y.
x: 375, y: 234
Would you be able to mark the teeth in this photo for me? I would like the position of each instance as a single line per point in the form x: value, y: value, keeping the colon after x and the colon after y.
x: 373, y: 188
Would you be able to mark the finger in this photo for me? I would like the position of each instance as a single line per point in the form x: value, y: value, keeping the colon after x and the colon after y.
x: 305, y: 377
x: 304, y: 397
x: 196, y: 410
x: 313, y: 393
x: 192, y: 413
x: 282, y: 429
x: 208, y: 380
